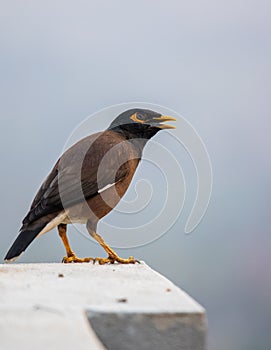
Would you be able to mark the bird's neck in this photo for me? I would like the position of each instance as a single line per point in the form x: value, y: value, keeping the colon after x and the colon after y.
x: 137, y: 140
x: 139, y: 144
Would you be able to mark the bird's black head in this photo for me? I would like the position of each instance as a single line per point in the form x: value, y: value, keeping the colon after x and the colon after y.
x: 140, y: 123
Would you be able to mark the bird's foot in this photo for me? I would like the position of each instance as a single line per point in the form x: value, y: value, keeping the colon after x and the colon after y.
x: 115, y: 258
x: 74, y: 259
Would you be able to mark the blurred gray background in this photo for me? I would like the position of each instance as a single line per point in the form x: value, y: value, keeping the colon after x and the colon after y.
x: 208, y: 60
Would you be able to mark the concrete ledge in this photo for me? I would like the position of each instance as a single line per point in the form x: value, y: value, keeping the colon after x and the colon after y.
x: 86, y: 306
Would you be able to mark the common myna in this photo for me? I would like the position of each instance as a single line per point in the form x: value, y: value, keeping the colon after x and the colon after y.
x: 88, y: 181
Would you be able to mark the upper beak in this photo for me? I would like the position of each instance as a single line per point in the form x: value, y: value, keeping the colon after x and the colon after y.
x: 165, y: 118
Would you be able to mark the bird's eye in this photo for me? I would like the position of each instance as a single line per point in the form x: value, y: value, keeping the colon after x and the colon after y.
x: 136, y: 117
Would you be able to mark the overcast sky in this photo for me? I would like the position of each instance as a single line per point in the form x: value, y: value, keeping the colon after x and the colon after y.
x: 208, y: 60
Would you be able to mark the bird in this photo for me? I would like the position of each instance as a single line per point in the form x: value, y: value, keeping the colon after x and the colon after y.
x: 88, y: 181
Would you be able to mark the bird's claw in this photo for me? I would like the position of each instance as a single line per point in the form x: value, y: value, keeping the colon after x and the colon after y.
x: 75, y: 259
x: 115, y: 258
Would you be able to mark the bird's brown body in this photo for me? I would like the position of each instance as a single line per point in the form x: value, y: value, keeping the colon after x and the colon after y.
x: 86, y: 183
x: 91, y: 205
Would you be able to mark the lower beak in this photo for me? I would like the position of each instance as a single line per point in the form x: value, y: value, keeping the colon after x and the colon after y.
x: 165, y: 118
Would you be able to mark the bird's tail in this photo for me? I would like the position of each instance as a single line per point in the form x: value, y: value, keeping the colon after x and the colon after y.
x: 25, y: 237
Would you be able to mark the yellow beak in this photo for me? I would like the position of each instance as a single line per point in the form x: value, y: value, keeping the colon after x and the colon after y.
x: 165, y: 118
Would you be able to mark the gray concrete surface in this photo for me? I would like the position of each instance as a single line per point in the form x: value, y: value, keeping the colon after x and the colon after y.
x: 86, y: 306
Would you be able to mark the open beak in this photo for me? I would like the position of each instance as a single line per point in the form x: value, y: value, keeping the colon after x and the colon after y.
x: 165, y: 118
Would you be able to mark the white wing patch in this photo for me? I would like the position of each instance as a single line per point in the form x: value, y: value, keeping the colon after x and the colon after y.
x: 106, y: 187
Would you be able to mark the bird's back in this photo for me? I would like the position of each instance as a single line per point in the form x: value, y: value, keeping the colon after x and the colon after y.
x: 88, y: 166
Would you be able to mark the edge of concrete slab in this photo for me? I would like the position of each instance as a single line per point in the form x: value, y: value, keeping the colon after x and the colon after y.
x: 103, y: 307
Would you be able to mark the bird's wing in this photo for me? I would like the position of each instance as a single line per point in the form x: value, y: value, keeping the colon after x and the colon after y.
x: 74, y: 176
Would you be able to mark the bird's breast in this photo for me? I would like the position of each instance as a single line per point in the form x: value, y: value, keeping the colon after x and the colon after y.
x: 104, y: 201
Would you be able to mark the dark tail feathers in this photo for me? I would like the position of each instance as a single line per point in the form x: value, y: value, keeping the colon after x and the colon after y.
x: 20, y: 244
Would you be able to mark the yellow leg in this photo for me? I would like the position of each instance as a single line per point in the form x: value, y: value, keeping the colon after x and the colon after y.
x: 112, y: 255
x: 71, y: 257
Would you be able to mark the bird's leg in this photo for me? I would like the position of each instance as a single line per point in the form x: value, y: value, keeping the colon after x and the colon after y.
x: 71, y: 257
x: 112, y: 255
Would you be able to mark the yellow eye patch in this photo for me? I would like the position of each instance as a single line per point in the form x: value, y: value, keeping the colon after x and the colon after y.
x: 135, y: 119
